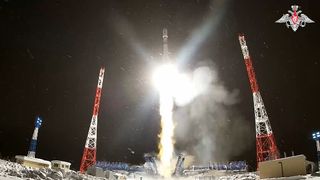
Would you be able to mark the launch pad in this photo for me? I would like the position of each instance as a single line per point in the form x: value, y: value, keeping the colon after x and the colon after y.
x: 149, y: 169
x: 32, y: 162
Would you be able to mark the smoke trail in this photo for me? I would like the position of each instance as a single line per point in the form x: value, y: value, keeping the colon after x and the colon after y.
x: 208, y: 127
x: 165, y: 78
x: 166, y: 136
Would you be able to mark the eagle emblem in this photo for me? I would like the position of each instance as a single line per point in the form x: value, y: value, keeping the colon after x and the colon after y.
x: 295, y: 18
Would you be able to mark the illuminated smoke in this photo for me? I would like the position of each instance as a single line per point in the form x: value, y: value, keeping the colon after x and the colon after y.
x: 207, y: 126
x: 204, y: 123
x: 164, y: 79
x: 166, y: 145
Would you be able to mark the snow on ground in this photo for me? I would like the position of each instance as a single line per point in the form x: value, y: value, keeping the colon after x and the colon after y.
x: 9, y: 178
x: 296, y: 178
x: 243, y: 176
x: 15, y: 171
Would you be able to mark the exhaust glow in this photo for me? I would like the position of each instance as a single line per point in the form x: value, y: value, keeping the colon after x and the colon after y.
x: 164, y: 79
x: 175, y: 87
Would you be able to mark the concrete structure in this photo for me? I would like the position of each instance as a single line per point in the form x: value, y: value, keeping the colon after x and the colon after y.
x: 32, y: 162
x: 284, y: 167
x: 99, y: 172
x: 58, y: 165
x: 96, y: 171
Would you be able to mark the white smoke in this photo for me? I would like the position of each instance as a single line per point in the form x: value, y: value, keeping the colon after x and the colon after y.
x: 207, y: 125
x: 187, y: 88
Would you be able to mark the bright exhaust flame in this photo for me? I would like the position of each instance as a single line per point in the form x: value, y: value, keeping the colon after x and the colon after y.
x: 166, y: 145
x: 173, y: 87
x: 164, y: 79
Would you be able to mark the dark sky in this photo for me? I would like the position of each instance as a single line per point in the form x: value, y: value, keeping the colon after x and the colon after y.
x: 51, y: 52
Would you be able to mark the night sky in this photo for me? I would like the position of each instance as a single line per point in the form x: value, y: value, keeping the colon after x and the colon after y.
x: 51, y: 52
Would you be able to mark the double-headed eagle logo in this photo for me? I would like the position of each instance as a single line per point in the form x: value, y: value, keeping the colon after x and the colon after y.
x: 295, y: 18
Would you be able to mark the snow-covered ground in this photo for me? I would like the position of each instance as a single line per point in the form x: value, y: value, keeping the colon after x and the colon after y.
x: 296, y: 178
x: 15, y: 171
x: 245, y: 176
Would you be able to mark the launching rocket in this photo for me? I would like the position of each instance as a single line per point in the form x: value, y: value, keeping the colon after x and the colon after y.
x: 165, y: 55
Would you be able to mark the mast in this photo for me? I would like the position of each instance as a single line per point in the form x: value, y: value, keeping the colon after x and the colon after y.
x: 33, y: 143
x: 265, y: 141
x: 89, y: 152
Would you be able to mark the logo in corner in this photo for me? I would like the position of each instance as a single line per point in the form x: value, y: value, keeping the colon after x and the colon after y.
x: 295, y: 18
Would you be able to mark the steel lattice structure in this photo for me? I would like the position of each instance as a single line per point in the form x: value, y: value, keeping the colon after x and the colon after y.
x: 265, y: 142
x: 89, y: 152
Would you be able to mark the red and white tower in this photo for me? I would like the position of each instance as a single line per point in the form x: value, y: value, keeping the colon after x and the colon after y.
x: 89, y: 152
x: 265, y: 142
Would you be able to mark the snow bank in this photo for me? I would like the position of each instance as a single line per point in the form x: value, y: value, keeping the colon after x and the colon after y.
x: 246, y: 176
x: 15, y: 171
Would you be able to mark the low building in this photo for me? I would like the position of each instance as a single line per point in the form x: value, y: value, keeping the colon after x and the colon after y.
x: 32, y: 162
x: 99, y: 172
x: 58, y: 165
x: 96, y: 171
x: 285, y: 167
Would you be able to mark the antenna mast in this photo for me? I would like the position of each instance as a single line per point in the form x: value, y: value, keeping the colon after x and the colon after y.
x: 265, y: 141
x: 89, y: 152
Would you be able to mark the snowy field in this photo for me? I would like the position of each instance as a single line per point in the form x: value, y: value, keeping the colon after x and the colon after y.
x: 14, y: 171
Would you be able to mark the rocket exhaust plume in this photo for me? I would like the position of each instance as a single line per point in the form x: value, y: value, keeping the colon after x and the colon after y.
x: 163, y: 79
x: 166, y: 137
x: 167, y: 80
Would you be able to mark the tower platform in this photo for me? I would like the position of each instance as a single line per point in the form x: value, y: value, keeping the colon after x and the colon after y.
x: 32, y: 162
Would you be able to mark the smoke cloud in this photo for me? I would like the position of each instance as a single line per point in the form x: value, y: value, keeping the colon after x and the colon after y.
x: 207, y: 125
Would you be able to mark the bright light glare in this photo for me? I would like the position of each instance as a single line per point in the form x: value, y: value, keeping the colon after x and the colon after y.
x: 164, y: 77
x: 184, y: 90
x: 181, y: 89
x: 167, y: 79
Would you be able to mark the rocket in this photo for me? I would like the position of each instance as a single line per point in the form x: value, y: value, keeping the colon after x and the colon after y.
x: 165, y: 54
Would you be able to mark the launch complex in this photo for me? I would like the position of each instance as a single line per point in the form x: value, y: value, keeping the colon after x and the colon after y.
x: 166, y: 164
x: 165, y: 80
